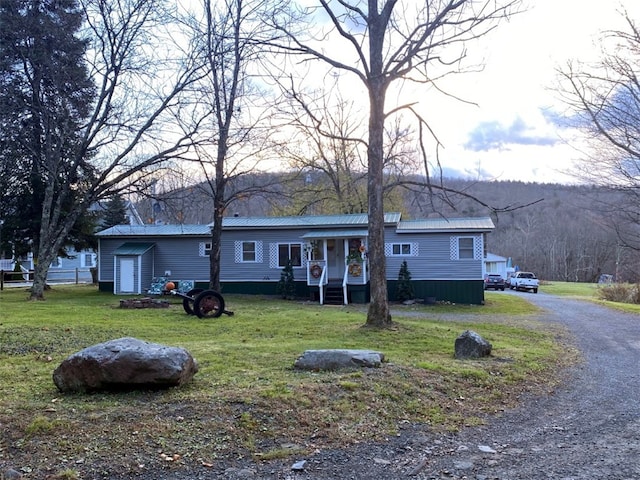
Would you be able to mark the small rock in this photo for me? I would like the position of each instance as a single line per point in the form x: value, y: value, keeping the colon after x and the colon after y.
x: 471, y: 345
x: 239, y: 473
x: 463, y: 465
x: 298, y: 466
x: 12, y: 474
x: 486, y: 449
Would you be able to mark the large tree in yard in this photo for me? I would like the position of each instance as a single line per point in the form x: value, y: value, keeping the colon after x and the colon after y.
x: 91, y: 96
x: 43, y: 112
x: 384, y: 44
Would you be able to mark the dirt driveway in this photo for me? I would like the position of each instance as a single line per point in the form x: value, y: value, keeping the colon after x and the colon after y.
x: 589, y: 428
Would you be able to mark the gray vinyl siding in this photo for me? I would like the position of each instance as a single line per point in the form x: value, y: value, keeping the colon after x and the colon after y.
x: 105, y: 258
x: 146, y: 272
x: 180, y: 255
x: 179, y: 249
x: 232, y: 271
x: 433, y: 261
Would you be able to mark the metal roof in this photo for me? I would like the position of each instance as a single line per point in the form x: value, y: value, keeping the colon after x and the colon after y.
x: 133, y: 248
x: 304, y: 221
x: 336, y: 234
x: 155, y: 230
x: 480, y: 224
x: 324, y: 222
x: 241, y: 223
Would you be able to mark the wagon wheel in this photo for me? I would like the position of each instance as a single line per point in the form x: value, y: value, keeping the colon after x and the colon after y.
x: 208, y: 304
x: 187, y: 303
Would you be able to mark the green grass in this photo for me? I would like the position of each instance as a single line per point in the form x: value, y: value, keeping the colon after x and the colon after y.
x: 247, y: 400
x: 586, y: 291
x: 570, y: 289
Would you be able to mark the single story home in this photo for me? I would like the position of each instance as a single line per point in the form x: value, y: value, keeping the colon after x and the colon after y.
x: 445, y: 257
x: 495, y: 264
x: 75, y: 267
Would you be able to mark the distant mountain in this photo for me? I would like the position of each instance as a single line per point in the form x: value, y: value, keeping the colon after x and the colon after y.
x: 561, y: 232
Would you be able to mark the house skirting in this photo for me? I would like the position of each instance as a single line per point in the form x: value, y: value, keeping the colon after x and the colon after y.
x: 469, y: 292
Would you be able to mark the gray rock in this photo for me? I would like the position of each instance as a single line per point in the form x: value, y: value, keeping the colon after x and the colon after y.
x: 239, y: 473
x: 471, y: 345
x: 125, y: 364
x: 299, y: 465
x: 11, y: 474
x: 338, y: 359
x: 486, y: 449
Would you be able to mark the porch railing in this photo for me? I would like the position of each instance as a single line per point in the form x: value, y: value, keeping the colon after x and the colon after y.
x: 352, y: 276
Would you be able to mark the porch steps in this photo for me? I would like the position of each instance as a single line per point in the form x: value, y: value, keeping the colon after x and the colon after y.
x: 333, y: 294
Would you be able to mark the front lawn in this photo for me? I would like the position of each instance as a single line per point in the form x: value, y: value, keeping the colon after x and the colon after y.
x: 247, y: 401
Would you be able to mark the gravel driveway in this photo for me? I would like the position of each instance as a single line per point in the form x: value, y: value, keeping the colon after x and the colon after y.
x: 589, y: 428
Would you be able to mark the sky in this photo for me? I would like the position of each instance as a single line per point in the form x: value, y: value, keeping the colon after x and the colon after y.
x: 507, y: 136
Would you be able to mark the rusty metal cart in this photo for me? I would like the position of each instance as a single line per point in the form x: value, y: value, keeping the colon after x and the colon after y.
x: 202, y: 303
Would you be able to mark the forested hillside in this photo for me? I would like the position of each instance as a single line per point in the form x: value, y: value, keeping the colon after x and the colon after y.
x: 562, y: 232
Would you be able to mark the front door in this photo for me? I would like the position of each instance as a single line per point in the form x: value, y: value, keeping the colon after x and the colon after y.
x: 335, y: 258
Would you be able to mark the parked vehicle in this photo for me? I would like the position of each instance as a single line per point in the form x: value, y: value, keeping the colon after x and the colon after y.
x: 494, y: 281
x: 524, y: 281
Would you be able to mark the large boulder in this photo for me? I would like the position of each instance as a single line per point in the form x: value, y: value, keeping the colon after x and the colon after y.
x: 125, y: 364
x: 471, y: 345
x: 334, y: 359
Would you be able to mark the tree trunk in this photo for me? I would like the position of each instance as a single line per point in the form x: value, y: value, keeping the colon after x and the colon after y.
x: 378, y: 314
x: 219, y: 207
x: 40, y: 271
x: 214, y: 258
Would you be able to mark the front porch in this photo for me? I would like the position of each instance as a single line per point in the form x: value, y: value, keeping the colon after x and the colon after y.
x: 337, y: 268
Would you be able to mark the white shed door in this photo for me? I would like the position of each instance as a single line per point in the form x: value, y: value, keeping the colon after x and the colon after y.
x: 126, y: 275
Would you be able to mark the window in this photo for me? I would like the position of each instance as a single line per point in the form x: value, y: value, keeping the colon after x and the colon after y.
x: 465, y: 247
x: 87, y: 260
x: 399, y: 249
x: 289, y: 251
x: 205, y: 249
x: 248, y: 251
x: 408, y: 249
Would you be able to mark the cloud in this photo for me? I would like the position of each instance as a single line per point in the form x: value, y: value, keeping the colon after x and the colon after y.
x: 496, y: 136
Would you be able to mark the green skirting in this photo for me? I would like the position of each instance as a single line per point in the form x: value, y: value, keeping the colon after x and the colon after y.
x: 469, y: 292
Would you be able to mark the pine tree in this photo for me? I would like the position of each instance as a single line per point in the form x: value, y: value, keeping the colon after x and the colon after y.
x: 286, y: 285
x: 45, y: 98
x: 115, y: 212
x: 405, y: 287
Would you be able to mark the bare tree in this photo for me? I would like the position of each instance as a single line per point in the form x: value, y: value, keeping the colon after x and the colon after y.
x: 382, y: 43
x: 229, y: 39
x: 141, y: 78
x: 603, y: 100
x: 327, y: 150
